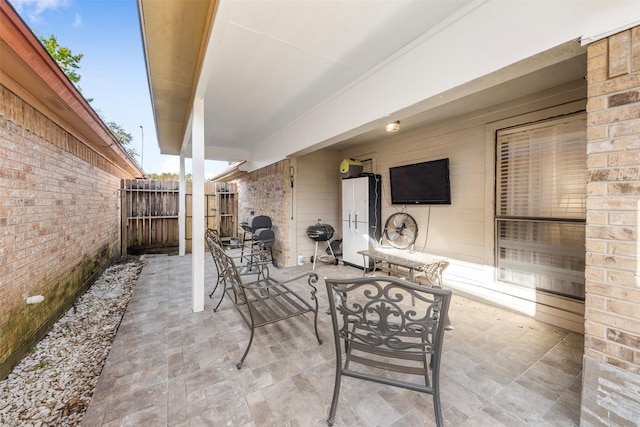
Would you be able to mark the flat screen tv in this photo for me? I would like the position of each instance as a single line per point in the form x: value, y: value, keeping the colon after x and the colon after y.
x: 425, y: 183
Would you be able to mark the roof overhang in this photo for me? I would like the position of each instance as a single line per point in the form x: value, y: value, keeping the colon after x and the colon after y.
x: 281, y: 78
x: 174, y: 35
x: 27, y: 69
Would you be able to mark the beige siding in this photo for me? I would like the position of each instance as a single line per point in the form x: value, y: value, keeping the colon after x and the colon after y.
x: 317, y: 190
x: 464, y: 230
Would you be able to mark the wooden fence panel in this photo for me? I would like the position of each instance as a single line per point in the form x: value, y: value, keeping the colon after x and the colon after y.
x: 150, y: 214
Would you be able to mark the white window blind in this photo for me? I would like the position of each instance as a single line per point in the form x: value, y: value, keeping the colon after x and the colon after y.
x: 541, y: 178
x: 367, y: 165
x: 543, y: 170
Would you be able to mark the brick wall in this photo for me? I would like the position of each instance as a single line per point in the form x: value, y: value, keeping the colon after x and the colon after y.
x: 267, y: 191
x: 59, y: 222
x: 612, y: 307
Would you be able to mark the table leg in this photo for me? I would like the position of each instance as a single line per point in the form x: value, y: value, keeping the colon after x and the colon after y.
x: 364, y: 265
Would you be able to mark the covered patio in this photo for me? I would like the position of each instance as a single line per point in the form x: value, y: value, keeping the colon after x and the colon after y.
x: 171, y: 366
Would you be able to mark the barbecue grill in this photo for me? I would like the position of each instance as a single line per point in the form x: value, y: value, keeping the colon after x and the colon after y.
x: 263, y: 237
x: 260, y: 233
x: 252, y: 222
x: 321, y: 232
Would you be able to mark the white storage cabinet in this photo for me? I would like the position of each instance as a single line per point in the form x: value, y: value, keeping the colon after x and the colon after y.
x: 361, y: 221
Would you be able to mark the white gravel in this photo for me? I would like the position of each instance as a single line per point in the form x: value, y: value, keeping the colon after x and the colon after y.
x: 53, y: 384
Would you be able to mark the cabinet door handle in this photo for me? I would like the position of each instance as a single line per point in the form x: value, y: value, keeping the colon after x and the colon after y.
x: 349, y: 219
x: 356, y: 222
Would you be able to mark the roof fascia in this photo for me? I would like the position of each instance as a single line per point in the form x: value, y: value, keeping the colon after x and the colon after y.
x: 83, y: 122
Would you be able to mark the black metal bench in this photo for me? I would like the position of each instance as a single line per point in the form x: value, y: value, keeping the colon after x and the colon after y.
x: 264, y: 300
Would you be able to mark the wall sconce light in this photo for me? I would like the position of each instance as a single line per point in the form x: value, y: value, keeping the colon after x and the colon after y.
x: 393, y: 127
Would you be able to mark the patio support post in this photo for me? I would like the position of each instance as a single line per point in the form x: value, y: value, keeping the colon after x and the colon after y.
x: 197, y: 208
x: 182, y: 209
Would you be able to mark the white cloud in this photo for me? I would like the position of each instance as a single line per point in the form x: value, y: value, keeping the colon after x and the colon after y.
x: 34, y: 8
x: 77, y: 20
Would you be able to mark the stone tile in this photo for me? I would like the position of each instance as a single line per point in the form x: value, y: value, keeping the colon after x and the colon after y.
x: 493, y: 415
x: 148, y: 417
x: 416, y: 417
x: 482, y: 382
x: 524, y: 403
x: 169, y: 366
x: 458, y: 396
x: 374, y: 410
x: 553, y: 377
x: 565, y: 411
x: 409, y: 404
x: 95, y: 413
x: 177, y: 402
x: 123, y: 405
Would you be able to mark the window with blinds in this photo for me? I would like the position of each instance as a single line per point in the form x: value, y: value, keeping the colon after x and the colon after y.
x: 541, y: 178
x: 367, y: 165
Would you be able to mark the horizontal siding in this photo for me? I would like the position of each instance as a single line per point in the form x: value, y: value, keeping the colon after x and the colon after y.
x: 318, y: 197
x: 463, y: 231
x: 451, y: 230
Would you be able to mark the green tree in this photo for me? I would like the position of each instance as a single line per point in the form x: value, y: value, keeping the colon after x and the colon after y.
x: 168, y: 176
x: 66, y: 60
x: 124, y: 138
x: 70, y: 65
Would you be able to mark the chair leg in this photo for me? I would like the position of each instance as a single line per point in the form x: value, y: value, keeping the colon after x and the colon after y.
x: 239, y: 364
x: 315, y: 323
x: 334, y: 401
x: 437, y: 407
x: 224, y: 291
x: 215, y: 287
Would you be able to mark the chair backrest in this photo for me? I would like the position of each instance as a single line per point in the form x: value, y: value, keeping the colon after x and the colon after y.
x: 390, y: 324
x: 212, y: 237
x: 226, y: 267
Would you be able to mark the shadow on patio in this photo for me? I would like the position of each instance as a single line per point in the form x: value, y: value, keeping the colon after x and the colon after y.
x: 169, y: 366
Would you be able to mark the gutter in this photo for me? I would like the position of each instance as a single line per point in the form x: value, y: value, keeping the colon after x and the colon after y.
x: 231, y: 173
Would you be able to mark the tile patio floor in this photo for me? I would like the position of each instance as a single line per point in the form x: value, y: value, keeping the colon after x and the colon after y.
x: 171, y: 367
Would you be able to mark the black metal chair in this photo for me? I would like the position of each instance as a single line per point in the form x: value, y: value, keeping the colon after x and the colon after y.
x: 265, y: 300
x: 388, y: 339
x: 256, y: 264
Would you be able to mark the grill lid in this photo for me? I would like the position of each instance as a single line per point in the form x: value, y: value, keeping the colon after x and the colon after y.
x: 264, y: 237
x: 253, y: 222
x: 320, y: 232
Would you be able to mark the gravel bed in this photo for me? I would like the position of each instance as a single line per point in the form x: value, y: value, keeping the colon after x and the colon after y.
x: 53, y: 384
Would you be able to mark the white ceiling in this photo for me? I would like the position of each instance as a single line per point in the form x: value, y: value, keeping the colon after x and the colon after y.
x: 272, y: 61
x: 286, y: 77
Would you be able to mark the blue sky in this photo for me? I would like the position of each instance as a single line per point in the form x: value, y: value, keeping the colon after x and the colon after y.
x: 107, y: 33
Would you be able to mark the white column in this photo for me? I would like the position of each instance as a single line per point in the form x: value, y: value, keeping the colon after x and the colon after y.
x: 197, y: 209
x: 182, y: 212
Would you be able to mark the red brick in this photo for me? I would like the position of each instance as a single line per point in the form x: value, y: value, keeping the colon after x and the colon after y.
x: 35, y: 205
x: 619, y: 54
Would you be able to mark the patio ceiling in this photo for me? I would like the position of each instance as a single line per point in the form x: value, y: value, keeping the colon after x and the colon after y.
x: 262, y: 67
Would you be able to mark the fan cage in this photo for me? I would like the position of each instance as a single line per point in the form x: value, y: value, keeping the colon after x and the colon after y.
x: 401, y: 230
